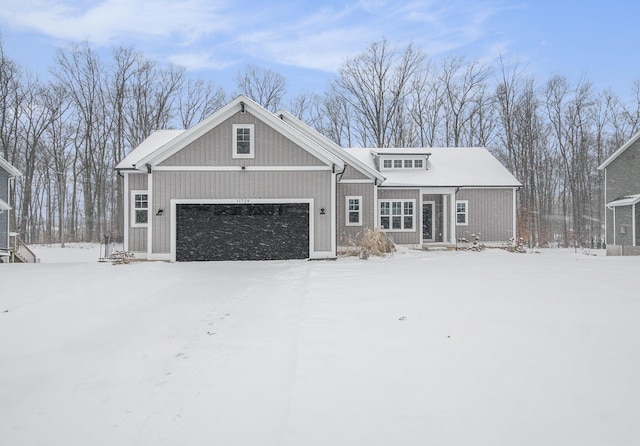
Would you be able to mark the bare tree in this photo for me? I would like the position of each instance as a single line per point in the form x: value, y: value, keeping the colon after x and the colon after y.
x: 464, y: 87
x: 263, y: 85
x: 376, y: 84
x: 198, y: 100
x: 427, y: 106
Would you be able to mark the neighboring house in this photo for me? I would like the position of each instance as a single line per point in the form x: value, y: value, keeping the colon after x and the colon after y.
x: 622, y: 199
x: 7, y: 174
x: 248, y: 184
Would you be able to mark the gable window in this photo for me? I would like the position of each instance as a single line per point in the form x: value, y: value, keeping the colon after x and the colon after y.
x: 462, y: 211
x: 140, y: 208
x: 354, y: 211
x: 396, y: 215
x: 243, y: 137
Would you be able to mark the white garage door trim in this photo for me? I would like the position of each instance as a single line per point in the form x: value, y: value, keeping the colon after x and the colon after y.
x: 177, y: 201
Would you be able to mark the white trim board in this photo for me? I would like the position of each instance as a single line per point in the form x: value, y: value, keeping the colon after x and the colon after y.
x: 239, y: 168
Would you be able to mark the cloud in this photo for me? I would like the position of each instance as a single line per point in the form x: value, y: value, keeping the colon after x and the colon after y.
x: 113, y: 20
x: 200, y: 60
x: 215, y: 35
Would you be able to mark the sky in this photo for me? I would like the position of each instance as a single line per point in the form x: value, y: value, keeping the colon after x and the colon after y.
x: 307, y: 41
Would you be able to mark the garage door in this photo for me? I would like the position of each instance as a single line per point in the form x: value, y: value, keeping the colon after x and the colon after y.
x: 242, y: 231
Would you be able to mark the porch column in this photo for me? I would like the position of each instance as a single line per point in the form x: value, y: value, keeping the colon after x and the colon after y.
x: 452, y: 218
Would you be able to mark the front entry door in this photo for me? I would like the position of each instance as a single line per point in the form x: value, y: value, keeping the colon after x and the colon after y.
x: 428, y: 208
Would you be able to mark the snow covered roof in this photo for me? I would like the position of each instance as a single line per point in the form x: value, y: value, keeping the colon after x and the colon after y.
x: 619, y: 152
x: 153, y: 142
x: 626, y: 200
x: 329, y: 145
x: 4, y: 206
x: 9, y: 168
x: 446, y: 167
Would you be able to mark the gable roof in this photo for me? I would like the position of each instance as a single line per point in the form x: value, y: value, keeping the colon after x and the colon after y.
x: 626, y: 200
x: 446, y: 167
x: 160, y: 153
x: 619, y: 152
x: 4, y: 164
x: 330, y: 146
x: 153, y: 142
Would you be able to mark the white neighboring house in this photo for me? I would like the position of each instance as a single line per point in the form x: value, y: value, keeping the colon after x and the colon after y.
x: 248, y: 184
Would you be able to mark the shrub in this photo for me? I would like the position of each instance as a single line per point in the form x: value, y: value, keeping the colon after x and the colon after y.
x: 372, y: 243
x: 121, y: 257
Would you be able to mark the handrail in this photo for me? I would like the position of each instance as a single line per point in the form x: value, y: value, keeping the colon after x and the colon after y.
x: 21, y: 250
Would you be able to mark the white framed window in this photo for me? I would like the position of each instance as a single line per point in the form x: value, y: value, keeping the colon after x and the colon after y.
x: 139, y: 208
x: 243, y: 141
x: 462, y: 212
x: 387, y: 164
x: 397, y: 215
x: 354, y: 211
x: 397, y: 164
x: 417, y: 164
x: 408, y: 164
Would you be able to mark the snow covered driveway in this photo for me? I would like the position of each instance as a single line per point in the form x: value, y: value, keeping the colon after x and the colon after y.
x: 455, y: 348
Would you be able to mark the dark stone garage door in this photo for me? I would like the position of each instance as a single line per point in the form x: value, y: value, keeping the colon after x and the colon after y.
x: 242, y: 231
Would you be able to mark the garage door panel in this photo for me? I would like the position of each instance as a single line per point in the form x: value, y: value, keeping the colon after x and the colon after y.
x: 242, y: 231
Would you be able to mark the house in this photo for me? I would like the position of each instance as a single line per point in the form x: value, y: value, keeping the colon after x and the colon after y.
x: 7, y: 174
x: 249, y: 184
x: 622, y: 198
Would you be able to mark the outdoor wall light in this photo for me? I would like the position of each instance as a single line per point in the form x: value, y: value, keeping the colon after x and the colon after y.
x: 242, y: 108
x: 322, y: 212
x: 160, y: 212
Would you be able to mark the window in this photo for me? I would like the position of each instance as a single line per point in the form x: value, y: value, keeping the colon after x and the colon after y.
x: 397, y: 215
x: 243, y: 140
x: 386, y: 164
x: 417, y: 164
x: 408, y: 164
x: 140, y: 208
x: 462, y: 209
x: 354, y: 211
x: 397, y: 164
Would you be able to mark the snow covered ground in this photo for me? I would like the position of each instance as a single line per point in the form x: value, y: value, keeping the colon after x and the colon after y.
x: 444, y: 348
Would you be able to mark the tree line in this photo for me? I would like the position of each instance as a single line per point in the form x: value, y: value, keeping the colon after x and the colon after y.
x: 67, y: 133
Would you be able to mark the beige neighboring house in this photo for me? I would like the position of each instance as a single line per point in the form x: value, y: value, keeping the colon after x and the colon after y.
x: 248, y: 184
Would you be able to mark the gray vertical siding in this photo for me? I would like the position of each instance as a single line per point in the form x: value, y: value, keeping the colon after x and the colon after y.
x: 168, y: 185
x: 623, y: 226
x: 350, y: 173
x: 4, y: 217
x: 404, y: 238
x: 490, y: 214
x: 215, y: 148
x: 622, y: 178
x: 137, y: 236
x: 364, y: 190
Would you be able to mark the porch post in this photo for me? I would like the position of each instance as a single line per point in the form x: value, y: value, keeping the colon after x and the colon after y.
x: 452, y: 213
